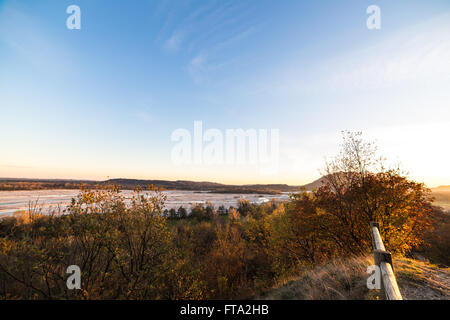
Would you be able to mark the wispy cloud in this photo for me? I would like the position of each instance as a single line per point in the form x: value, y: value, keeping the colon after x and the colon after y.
x: 207, y: 35
x: 175, y: 41
x: 418, y: 54
x: 144, y: 116
x: 415, y: 55
x: 202, y: 65
x: 196, y: 67
x: 211, y: 58
x: 237, y: 37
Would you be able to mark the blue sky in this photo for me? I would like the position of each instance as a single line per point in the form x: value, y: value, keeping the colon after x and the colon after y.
x: 103, y: 101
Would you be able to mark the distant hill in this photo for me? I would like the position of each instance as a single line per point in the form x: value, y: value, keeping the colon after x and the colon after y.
x: 315, y: 184
x: 442, y: 197
x: 441, y: 188
x: 323, y: 180
x: 10, y: 184
x: 206, y: 186
x: 166, y: 184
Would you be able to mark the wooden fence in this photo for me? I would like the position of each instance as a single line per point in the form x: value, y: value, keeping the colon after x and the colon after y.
x: 383, y: 260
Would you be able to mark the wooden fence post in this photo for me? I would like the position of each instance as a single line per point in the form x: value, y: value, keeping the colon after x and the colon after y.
x: 383, y: 259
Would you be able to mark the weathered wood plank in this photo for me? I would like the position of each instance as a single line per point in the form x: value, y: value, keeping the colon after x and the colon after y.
x: 378, y: 242
x: 387, y: 273
x: 389, y: 282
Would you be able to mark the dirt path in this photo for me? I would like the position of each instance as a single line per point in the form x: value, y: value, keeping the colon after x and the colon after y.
x: 421, y: 280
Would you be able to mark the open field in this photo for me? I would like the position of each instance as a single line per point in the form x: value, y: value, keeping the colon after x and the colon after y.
x: 12, y: 201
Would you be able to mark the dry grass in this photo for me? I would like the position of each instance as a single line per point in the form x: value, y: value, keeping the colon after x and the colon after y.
x: 346, y: 280
x: 337, y: 280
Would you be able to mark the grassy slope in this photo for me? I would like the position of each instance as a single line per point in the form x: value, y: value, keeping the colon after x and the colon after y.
x: 347, y: 280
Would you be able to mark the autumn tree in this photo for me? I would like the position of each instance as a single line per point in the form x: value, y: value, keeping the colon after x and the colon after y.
x: 358, y: 188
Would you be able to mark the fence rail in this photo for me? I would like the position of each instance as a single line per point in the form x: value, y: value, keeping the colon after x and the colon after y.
x: 383, y: 260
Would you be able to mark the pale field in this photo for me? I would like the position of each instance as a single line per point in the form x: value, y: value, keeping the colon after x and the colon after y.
x: 12, y: 201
